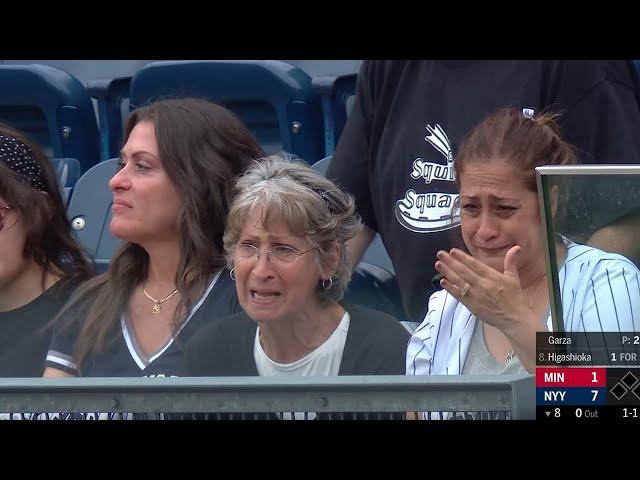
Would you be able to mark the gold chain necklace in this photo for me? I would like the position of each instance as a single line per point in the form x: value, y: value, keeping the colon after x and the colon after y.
x: 509, y: 358
x: 157, y: 303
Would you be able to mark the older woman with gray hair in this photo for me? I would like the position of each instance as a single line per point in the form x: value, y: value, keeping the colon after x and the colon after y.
x: 285, y: 244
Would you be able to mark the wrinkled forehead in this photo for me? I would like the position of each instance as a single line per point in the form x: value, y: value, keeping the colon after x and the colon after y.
x: 267, y: 219
x: 491, y: 176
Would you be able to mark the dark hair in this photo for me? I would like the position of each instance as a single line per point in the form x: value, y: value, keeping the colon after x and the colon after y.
x: 48, y: 231
x: 203, y: 147
x: 525, y: 142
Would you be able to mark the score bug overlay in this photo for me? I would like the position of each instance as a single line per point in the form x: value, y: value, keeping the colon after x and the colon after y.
x: 592, y: 376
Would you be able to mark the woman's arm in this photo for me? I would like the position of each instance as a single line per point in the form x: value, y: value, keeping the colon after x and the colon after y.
x: 51, y: 372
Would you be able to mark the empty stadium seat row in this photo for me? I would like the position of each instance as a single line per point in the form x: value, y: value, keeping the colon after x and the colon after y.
x: 283, y: 106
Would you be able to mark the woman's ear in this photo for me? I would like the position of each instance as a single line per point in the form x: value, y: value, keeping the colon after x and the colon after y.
x: 330, y: 264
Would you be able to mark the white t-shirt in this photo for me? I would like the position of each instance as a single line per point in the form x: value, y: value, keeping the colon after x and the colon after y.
x: 323, y: 361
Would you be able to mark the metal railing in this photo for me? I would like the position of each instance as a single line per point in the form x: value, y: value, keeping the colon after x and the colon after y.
x: 514, y: 394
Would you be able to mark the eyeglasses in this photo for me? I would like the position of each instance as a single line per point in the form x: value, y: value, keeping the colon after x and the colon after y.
x: 3, y: 215
x: 279, y: 253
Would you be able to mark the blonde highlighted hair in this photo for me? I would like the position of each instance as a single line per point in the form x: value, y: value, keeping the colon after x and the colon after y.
x: 308, y: 203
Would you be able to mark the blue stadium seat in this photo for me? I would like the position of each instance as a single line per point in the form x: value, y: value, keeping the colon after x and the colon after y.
x: 337, y: 93
x: 376, y: 254
x: 53, y: 108
x: 373, y: 283
x: 67, y: 172
x: 110, y: 94
x: 274, y: 99
x: 376, y: 288
x: 90, y: 213
x: 321, y: 165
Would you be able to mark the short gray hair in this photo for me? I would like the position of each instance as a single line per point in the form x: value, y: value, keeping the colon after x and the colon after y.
x: 308, y: 203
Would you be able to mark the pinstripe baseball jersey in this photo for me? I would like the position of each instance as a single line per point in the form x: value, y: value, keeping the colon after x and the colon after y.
x: 600, y: 291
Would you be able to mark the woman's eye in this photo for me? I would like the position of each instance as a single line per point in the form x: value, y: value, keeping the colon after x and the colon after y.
x: 284, y: 250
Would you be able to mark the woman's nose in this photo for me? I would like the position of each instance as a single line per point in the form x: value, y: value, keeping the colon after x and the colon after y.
x: 488, y: 227
x: 262, y: 267
x: 120, y: 180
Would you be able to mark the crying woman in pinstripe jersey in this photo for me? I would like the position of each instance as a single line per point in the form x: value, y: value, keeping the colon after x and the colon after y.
x: 494, y: 295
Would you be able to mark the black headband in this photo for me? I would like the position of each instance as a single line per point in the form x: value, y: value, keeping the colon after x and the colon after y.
x: 324, y: 196
x: 19, y: 158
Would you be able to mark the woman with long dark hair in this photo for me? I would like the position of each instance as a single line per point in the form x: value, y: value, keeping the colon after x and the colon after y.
x: 170, y: 198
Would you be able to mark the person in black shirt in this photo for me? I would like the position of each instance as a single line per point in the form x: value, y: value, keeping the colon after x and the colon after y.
x: 40, y: 262
x: 396, y: 154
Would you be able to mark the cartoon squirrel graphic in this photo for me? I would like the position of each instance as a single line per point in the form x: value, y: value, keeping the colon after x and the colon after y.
x: 439, y: 140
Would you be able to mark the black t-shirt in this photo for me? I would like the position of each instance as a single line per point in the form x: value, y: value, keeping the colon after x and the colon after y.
x: 123, y: 356
x: 397, y: 150
x: 376, y: 344
x: 23, y: 340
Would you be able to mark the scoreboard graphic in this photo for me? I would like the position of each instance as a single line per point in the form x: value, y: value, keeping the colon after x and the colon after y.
x: 588, y: 377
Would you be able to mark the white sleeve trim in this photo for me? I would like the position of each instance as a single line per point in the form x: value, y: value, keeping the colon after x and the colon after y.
x: 61, y: 359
